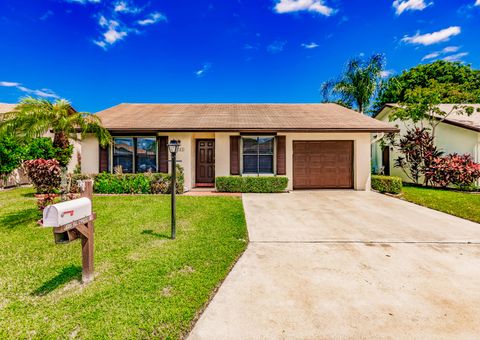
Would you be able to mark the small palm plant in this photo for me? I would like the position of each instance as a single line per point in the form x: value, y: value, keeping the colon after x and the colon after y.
x: 33, y: 118
x: 358, y: 83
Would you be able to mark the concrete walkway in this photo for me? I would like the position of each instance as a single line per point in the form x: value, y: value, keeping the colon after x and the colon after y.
x: 345, y: 264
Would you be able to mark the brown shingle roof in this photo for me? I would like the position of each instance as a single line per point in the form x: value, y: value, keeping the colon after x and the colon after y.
x: 239, y: 117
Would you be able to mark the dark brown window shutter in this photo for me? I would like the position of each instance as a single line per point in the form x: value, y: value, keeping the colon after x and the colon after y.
x: 104, y: 159
x: 234, y: 155
x: 281, y: 157
x: 162, y: 154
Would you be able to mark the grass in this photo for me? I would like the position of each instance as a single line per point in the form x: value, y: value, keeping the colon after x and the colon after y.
x: 461, y: 204
x: 146, y: 285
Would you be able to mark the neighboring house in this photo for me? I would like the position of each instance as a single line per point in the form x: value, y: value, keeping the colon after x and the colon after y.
x: 314, y: 145
x: 18, y: 177
x: 456, y: 134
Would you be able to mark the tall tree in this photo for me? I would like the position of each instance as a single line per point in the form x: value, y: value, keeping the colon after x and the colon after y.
x: 34, y: 117
x: 358, y: 83
x: 421, y: 105
x: 463, y: 77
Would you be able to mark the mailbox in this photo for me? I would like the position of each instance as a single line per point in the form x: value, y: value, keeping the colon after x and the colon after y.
x: 61, y: 214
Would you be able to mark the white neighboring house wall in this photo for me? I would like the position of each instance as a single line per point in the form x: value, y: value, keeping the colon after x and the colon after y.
x: 448, y: 138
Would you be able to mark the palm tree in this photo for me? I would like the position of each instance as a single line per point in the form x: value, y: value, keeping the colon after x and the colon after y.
x: 33, y: 117
x: 358, y: 83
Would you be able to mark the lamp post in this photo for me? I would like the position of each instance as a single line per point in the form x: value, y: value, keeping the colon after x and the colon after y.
x: 173, y: 148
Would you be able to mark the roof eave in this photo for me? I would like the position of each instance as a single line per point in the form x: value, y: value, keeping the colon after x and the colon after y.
x: 246, y: 129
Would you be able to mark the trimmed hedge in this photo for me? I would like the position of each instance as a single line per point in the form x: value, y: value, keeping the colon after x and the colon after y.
x: 147, y: 183
x: 261, y: 184
x: 387, y: 184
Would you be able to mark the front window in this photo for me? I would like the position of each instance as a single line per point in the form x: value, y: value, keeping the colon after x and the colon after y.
x: 146, y: 155
x: 123, y: 154
x: 135, y: 154
x: 258, y: 155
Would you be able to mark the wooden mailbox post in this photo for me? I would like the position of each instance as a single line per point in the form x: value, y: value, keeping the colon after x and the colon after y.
x: 74, y: 219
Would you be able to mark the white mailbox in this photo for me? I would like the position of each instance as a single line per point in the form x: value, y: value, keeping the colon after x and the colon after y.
x: 63, y: 213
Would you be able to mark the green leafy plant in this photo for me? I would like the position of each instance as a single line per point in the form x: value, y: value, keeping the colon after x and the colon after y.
x: 251, y: 184
x: 11, y: 156
x: 387, y: 184
x: 45, y: 175
x: 446, y: 74
x: 33, y: 118
x: 43, y: 148
x: 146, y: 183
x: 357, y: 85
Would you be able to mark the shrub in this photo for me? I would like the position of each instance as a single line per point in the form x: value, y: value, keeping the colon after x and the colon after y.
x: 251, y: 184
x: 419, y: 150
x: 106, y: 183
x: 388, y: 184
x: 45, y: 175
x: 453, y: 169
x: 43, y: 148
x: 11, y: 156
x: 154, y: 183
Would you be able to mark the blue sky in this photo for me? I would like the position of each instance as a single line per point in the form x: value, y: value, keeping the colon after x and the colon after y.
x: 98, y: 53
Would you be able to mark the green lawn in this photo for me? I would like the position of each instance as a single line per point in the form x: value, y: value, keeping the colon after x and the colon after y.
x: 461, y: 204
x: 146, y: 285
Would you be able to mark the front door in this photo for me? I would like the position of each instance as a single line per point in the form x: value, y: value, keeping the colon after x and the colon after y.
x: 205, y: 169
x: 386, y: 160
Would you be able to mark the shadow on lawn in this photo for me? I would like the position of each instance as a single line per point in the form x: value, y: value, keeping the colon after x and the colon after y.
x: 152, y: 233
x: 20, y: 217
x: 66, y: 275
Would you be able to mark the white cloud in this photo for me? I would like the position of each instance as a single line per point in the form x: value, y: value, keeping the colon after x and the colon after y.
x: 114, y: 32
x: 436, y: 54
x: 125, y: 7
x: 83, y: 2
x: 201, y: 72
x: 477, y: 3
x: 310, y: 45
x: 46, y: 93
x: 386, y: 73
x: 410, y: 5
x: 9, y: 84
x: 276, y: 47
x: 456, y: 57
x: 317, y: 6
x: 153, y: 18
x: 451, y: 49
x: 430, y: 56
x: 433, y: 38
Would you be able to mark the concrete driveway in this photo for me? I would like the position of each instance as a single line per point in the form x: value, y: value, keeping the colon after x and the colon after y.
x: 345, y: 264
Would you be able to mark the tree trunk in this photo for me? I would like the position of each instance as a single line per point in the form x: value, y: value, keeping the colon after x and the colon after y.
x: 60, y: 140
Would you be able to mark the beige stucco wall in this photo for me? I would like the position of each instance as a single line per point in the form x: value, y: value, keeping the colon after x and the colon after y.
x: 361, y: 165
x: 448, y: 138
x: 187, y: 154
x: 90, y: 156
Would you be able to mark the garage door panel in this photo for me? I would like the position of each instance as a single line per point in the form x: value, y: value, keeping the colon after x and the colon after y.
x: 322, y: 164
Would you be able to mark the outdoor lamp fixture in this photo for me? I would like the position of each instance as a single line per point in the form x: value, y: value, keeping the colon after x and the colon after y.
x: 173, y: 148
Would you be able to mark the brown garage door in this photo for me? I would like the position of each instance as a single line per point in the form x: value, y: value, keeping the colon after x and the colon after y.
x: 322, y: 164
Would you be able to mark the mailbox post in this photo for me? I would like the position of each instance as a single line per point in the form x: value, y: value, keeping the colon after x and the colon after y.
x: 74, y: 219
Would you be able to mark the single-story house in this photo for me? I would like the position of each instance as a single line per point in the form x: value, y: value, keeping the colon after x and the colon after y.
x: 314, y: 145
x: 456, y: 134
